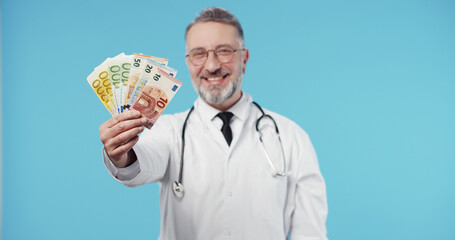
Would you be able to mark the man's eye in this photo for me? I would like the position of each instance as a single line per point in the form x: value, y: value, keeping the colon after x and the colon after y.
x: 224, y: 51
x: 199, y: 54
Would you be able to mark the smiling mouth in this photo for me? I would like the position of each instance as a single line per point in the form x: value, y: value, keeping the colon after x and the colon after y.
x: 215, y: 78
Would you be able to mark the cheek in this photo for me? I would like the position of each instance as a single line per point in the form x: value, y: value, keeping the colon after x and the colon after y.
x: 238, y: 69
x: 194, y: 72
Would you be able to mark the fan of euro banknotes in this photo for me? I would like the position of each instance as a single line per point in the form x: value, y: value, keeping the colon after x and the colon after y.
x: 140, y: 82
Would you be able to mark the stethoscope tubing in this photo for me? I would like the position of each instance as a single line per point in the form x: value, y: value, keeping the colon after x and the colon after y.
x: 178, y: 185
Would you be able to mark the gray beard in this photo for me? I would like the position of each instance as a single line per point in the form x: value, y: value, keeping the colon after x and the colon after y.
x: 216, y: 94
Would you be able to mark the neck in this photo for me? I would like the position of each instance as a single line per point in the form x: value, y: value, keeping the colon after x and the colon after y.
x: 224, y: 106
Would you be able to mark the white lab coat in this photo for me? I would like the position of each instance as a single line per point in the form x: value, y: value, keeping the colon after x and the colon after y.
x: 230, y: 192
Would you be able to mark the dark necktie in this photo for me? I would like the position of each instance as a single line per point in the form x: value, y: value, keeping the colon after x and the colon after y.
x: 226, y: 129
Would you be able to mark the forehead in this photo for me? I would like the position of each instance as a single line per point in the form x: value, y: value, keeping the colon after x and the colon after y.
x: 209, y: 35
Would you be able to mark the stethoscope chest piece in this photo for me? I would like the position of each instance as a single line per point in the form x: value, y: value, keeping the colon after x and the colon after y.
x: 178, y: 189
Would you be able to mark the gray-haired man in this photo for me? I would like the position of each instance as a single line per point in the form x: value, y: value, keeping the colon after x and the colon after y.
x: 257, y: 178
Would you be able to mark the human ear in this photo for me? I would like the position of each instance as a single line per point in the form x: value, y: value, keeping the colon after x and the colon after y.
x: 246, y: 56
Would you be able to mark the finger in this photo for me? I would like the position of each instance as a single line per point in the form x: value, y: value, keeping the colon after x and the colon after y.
x: 108, y: 133
x: 122, y: 138
x: 122, y: 149
x: 127, y: 125
x: 131, y: 114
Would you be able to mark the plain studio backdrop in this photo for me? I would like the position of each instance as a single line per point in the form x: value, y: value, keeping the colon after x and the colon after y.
x: 372, y: 82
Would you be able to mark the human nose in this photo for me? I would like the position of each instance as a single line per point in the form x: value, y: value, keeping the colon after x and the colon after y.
x: 212, y: 64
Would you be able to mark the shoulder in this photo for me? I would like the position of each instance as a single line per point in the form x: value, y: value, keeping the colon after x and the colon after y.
x: 296, y: 142
x: 291, y: 133
x: 285, y: 124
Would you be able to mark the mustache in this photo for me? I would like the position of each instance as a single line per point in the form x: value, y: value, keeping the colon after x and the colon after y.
x: 218, y: 72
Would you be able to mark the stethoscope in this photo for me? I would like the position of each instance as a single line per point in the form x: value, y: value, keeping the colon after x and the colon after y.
x: 178, y: 186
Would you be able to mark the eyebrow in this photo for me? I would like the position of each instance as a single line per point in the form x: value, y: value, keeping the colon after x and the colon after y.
x: 221, y: 45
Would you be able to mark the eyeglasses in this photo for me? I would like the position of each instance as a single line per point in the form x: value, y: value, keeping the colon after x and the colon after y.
x: 224, y: 55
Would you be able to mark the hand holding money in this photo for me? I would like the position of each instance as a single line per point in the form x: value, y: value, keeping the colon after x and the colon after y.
x: 119, y: 134
x: 144, y: 84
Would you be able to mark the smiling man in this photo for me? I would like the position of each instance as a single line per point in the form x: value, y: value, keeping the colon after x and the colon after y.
x: 227, y: 168
x: 216, y: 77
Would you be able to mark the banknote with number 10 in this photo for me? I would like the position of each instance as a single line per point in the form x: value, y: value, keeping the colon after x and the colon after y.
x: 137, y: 81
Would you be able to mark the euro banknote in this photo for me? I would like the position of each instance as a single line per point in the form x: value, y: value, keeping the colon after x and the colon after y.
x: 156, y: 95
x: 138, y: 64
x: 150, y: 70
x: 119, y: 69
x: 137, y: 81
x: 100, y: 83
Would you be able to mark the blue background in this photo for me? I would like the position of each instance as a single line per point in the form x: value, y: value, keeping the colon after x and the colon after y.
x: 372, y: 82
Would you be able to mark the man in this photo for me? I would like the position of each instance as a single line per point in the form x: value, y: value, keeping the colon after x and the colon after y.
x: 228, y: 185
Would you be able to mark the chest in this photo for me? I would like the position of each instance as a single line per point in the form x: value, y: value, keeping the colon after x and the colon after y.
x: 212, y: 169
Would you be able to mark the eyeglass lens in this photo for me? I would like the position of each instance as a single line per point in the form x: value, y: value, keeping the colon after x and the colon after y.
x: 223, y: 55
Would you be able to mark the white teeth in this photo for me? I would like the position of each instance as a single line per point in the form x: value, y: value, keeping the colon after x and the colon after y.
x: 214, y: 78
